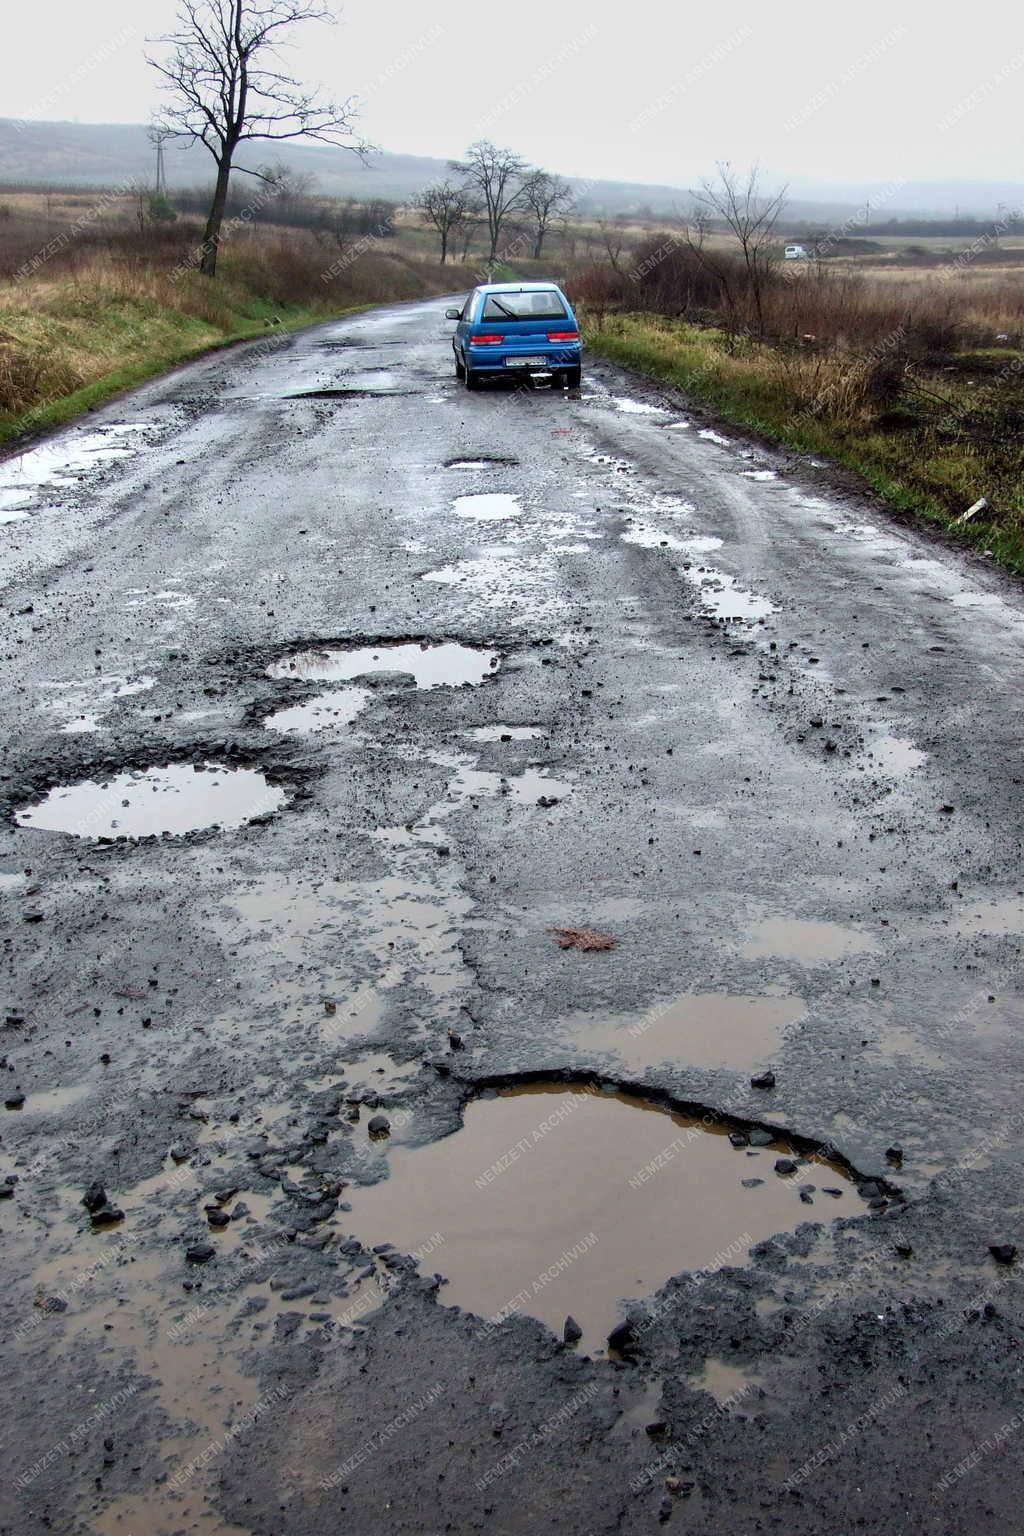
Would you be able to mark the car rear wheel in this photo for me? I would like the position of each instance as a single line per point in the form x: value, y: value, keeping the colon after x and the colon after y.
x: 573, y: 378
x: 460, y: 368
x: 472, y: 382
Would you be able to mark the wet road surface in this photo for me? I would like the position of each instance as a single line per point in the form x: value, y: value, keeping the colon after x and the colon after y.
x: 331, y: 691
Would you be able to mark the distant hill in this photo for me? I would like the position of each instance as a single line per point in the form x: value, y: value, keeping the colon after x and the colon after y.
x: 113, y: 154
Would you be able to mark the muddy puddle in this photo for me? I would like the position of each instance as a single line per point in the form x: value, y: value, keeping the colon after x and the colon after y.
x: 729, y: 1385
x: 326, y: 712
x: 722, y: 598
x: 810, y: 941
x: 556, y: 1201
x: 52, y: 1101
x: 63, y: 463
x: 636, y: 407
x: 1002, y: 918
x: 445, y: 665
x: 188, y: 1355
x: 648, y: 537
x: 709, y: 1030
x: 173, y: 800
x: 896, y: 755
x: 491, y: 507
x: 505, y: 732
x: 711, y: 436
x: 83, y: 703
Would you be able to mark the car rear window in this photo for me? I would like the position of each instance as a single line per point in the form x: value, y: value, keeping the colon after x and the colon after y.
x: 538, y: 304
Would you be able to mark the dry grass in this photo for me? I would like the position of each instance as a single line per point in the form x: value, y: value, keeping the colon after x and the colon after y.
x: 118, y: 306
x: 930, y: 438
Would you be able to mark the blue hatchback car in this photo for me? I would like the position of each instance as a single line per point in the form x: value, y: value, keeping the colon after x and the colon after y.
x: 516, y: 331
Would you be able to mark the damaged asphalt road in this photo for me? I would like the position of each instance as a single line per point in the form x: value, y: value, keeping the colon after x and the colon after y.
x: 330, y: 691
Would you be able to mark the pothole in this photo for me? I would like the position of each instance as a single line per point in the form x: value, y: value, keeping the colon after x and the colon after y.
x: 505, y: 732
x: 325, y: 712
x: 354, y: 393
x: 721, y: 598
x: 492, y: 507
x: 896, y: 755
x: 156, y: 801
x: 637, y: 407
x: 489, y: 462
x: 557, y: 1201
x: 712, y: 1030
x: 727, y: 1384
x: 810, y: 941
x: 648, y: 537
x: 446, y: 664
x: 64, y: 462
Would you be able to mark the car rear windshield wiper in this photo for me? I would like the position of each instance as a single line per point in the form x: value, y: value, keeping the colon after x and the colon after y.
x: 511, y: 313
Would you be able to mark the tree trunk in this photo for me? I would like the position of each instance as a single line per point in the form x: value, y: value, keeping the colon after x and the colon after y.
x: 211, y: 235
x: 444, y: 245
x: 537, y: 245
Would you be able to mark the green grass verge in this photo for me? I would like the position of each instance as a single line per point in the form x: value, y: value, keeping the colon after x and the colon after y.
x: 910, y: 470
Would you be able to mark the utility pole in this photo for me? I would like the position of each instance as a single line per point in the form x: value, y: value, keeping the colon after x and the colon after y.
x: 157, y: 137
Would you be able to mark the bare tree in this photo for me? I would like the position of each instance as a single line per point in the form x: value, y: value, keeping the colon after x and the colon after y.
x: 751, y: 216
x: 497, y: 178
x: 447, y: 207
x: 613, y: 239
x: 225, y: 87
x: 547, y: 197
x: 292, y: 189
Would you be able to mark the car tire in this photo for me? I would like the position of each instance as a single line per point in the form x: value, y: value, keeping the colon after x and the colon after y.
x: 573, y: 378
x: 460, y: 368
x: 472, y: 382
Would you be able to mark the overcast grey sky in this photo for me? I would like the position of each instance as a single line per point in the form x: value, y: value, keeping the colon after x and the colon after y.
x: 643, y: 91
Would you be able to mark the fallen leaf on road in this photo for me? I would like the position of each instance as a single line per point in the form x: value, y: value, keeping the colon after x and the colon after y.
x: 582, y: 938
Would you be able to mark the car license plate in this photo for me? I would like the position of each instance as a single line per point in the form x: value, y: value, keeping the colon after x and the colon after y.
x: 526, y: 362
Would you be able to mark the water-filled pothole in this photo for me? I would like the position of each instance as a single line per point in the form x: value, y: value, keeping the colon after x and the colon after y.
x: 325, y: 712
x: 649, y: 537
x: 446, y: 664
x: 637, y: 407
x: 556, y: 1200
x: 896, y: 755
x: 505, y: 732
x: 808, y: 940
x: 177, y: 799
x: 492, y: 507
x: 721, y: 598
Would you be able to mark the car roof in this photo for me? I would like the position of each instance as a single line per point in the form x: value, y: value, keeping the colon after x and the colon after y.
x: 536, y: 287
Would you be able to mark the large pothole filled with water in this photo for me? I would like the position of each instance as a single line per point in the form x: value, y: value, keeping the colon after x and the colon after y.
x: 154, y: 802
x: 444, y: 664
x: 557, y: 1201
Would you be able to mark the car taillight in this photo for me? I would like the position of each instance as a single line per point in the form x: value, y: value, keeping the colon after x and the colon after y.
x: 563, y: 335
x: 484, y: 341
